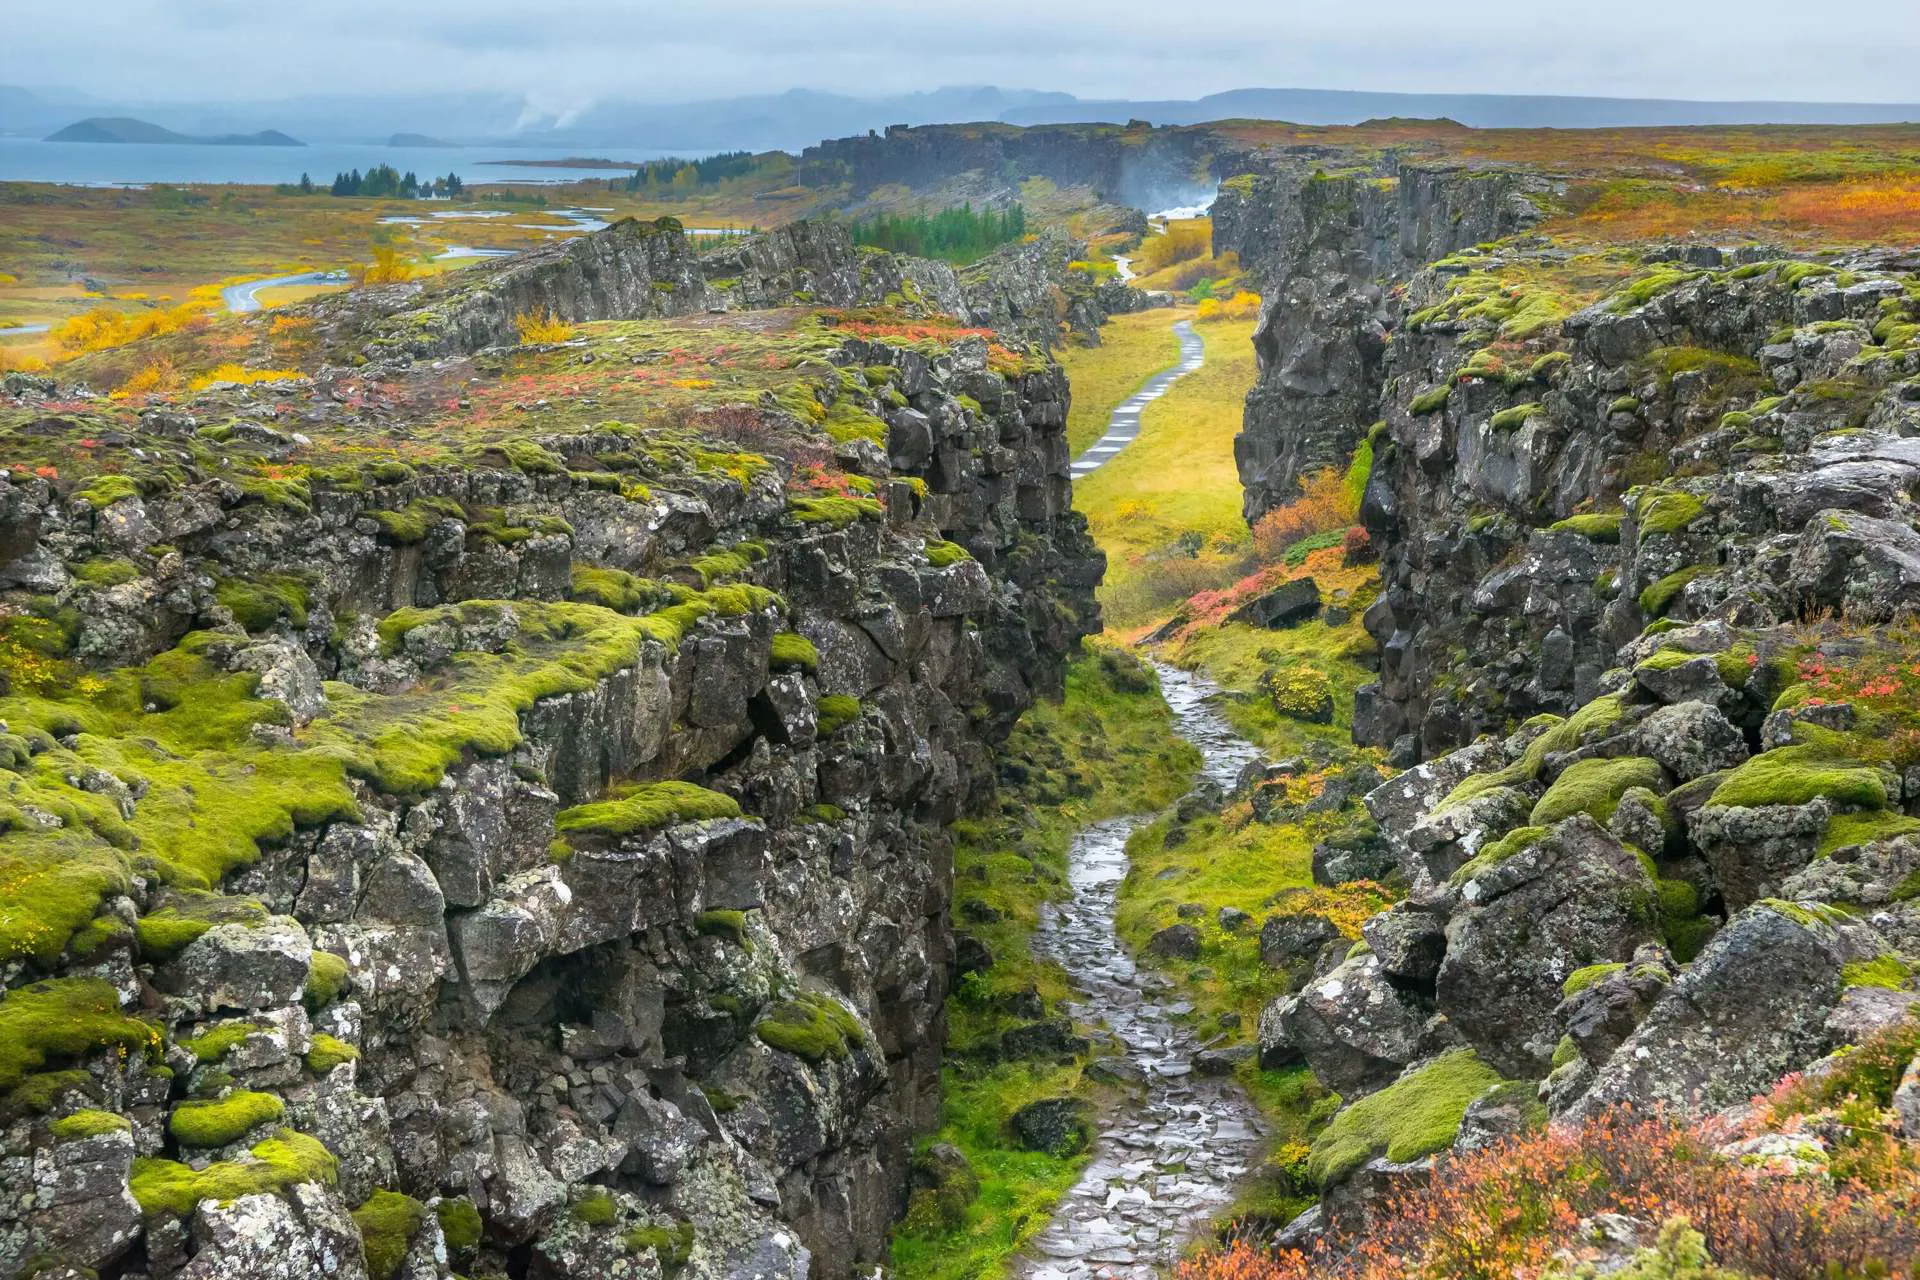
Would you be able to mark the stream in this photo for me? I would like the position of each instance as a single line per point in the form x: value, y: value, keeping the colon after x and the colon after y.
x: 1171, y: 1155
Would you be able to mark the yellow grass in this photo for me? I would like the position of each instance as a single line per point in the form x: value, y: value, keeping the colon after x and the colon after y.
x: 1177, y: 478
x: 282, y: 295
x: 1132, y: 349
x: 542, y: 326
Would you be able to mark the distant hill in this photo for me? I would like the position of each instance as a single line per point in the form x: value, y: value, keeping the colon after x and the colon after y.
x: 123, y: 129
x: 1478, y: 110
x: 418, y: 140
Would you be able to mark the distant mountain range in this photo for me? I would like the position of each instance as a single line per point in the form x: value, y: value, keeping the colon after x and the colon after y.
x: 125, y: 129
x: 800, y: 117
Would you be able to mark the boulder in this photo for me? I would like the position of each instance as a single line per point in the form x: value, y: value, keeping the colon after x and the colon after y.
x: 1058, y: 1126
x: 1294, y: 941
x: 1355, y: 1029
x: 1286, y: 605
x: 308, y: 1232
x: 1906, y: 1099
x: 1602, y: 1014
x: 1410, y: 940
x: 1051, y: 1038
x: 1691, y: 740
x: 80, y: 1209
x: 1507, y: 1110
x: 1750, y: 1008
x: 1573, y: 898
x: 1753, y: 851
x: 1176, y: 942
x: 242, y: 966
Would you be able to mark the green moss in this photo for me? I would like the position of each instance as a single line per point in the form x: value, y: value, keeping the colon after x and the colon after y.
x: 414, y: 521
x: 212, y: 1045
x: 1594, y: 787
x: 1497, y: 851
x: 1658, y: 598
x: 618, y: 590
x: 388, y: 1222
x: 167, y: 1187
x: 164, y: 933
x: 326, y: 979
x: 1796, y: 774
x: 1515, y: 418
x: 1432, y: 400
x: 1888, y: 971
x: 106, y: 490
x: 1845, y: 829
x: 88, y: 1124
x: 1593, y: 721
x: 460, y: 1223
x: 835, y: 712
x: 836, y: 511
x: 328, y: 1052
x: 1678, y: 899
x: 64, y: 1018
x: 1669, y: 513
x: 1543, y: 369
x: 1650, y: 286
x: 1596, y: 526
x: 257, y: 605
x: 671, y: 1246
x: 41, y: 1090
x: 216, y: 1122
x: 595, y: 1208
x: 105, y: 572
x: 794, y: 652
x: 1580, y: 979
x: 644, y: 807
x: 942, y: 554
x: 811, y: 1026
x: 1625, y: 404
x: 1415, y: 1116
x: 731, y: 925
x: 823, y: 813
x: 1564, y: 1052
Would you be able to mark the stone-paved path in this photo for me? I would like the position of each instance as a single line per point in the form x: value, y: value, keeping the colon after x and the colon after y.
x: 1124, y: 424
x: 1171, y: 1155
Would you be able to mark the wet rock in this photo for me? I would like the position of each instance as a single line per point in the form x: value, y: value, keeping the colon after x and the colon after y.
x: 1233, y: 919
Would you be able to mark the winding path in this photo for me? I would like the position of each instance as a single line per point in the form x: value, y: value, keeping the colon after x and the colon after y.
x: 1171, y: 1156
x: 1124, y: 425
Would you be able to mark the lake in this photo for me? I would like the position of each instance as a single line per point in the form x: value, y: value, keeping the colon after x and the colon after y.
x: 110, y: 164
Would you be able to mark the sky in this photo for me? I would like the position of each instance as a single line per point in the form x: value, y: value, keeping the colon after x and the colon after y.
x: 569, y: 53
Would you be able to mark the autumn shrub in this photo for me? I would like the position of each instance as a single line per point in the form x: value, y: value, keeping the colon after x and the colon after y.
x: 12, y: 361
x: 1241, y: 306
x: 389, y: 266
x: 1504, y: 1211
x: 156, y: 375
x: 103, y: 328
x: 542, y: 326
x: 1324, y: 505
x: 1180, y: 242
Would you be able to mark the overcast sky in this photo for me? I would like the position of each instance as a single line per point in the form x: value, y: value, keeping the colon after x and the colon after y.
x: 570, y: 52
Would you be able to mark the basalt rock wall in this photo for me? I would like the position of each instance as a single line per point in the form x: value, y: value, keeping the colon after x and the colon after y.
x: 587, y: 912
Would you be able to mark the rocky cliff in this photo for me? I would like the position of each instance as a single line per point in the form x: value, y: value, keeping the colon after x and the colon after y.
x: 480, y: 808
x: 1646, y: 525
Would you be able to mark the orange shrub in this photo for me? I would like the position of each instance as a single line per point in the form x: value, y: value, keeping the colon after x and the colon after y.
x: 1503, y: 1212
x: 1324, y: 504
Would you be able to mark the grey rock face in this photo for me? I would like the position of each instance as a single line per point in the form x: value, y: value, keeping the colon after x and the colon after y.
x: 236, y: 966
x: 1691, y: 740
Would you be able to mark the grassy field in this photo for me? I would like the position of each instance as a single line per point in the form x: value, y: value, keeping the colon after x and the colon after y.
x: 1167, y: 507
x: 1106, y: 749
x: 1132, y: 349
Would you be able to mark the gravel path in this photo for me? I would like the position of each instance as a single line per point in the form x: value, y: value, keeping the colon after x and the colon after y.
x: 1124, y: 425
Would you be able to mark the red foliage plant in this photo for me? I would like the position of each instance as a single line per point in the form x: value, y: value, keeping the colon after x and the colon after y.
x: 1503, y: 1212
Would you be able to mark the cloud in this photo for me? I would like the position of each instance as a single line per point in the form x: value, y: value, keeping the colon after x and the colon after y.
x: 567, y: 53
